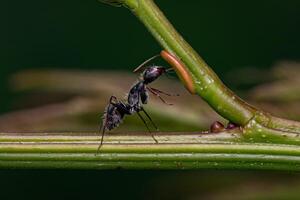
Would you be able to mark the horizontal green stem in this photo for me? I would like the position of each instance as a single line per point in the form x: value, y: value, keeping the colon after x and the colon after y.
x: 193, y: 151
x: 147, y: 165
x: 152, y: 161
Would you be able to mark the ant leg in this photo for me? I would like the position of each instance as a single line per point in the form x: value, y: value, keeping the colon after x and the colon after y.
x: 102, y: 137
x: 162, y: 92
x: 104, y: 124
x: 156, y: 94
x: 169, y: 69
x: 144, y: 121
x: 139, y: 68
x: 111, y: 99
x: 102, y: 127
x: 147, y: 127
x: 152, y: 122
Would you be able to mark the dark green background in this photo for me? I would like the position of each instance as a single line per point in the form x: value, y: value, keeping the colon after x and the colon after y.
x: 91, y: 35
x: 86, y: 34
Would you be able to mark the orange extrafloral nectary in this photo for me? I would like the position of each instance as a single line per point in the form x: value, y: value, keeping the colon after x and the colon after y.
x: 180, y: 69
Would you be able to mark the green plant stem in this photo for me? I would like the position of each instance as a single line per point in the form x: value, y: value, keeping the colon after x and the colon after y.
x: 209, y: 151
x: 206, y: 82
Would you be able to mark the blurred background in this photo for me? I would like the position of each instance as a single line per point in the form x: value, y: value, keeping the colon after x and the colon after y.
x: 62, y: 60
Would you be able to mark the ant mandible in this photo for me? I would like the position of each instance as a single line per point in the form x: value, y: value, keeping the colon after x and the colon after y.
x: 138, y: 95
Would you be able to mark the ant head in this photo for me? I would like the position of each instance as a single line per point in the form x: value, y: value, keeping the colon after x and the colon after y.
x: 152, y: 73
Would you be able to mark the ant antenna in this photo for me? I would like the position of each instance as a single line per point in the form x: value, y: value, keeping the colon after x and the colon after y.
x: 145, y: 62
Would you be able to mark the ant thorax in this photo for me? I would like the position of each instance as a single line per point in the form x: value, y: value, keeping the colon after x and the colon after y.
x: 137, y: 94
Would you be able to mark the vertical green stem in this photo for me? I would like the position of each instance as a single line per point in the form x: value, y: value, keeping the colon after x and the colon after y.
x: 207, y: 83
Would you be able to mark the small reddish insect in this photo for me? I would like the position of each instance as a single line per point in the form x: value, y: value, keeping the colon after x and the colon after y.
x: 217, y: 127
x: 232, y: 125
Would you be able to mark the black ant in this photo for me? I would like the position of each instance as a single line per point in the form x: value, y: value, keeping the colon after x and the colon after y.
x: 138, y: 95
